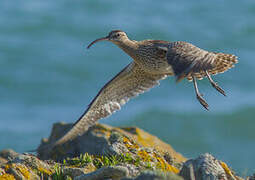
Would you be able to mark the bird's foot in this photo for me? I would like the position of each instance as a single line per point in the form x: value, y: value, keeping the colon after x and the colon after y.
x: 202, y: 101
x: 214, y: 84
x: 218, y: 88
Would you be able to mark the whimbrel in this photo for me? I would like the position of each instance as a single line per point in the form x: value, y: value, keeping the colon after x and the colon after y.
x: 153, y: 60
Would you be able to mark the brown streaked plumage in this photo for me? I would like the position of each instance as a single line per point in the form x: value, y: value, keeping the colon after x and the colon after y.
x: 153, y: 60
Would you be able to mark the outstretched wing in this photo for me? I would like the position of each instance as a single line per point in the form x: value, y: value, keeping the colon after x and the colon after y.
x: 130, y: 82
x: 187, y: 59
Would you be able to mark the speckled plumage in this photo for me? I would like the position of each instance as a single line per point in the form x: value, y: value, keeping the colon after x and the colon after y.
x: 154, y: 60
x: 187, y: 59
x: 130, y: 82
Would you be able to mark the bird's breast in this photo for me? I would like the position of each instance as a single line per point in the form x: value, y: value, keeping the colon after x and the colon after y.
x: 153, y: 61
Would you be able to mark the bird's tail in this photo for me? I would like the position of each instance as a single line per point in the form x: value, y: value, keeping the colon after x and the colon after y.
x: 222, y: 63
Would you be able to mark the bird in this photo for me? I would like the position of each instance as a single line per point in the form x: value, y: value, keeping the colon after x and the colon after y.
x: 153, y: 60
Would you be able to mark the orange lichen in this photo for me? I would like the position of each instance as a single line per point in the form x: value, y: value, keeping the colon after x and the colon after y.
x: 7, y: 177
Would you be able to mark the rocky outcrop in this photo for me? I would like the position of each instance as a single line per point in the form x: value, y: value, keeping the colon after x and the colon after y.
x: 105, y: 152
x: 206, y: 167
x: 103, y: 139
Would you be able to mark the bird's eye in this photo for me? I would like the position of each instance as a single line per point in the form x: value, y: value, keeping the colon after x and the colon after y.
x: 115, y: 36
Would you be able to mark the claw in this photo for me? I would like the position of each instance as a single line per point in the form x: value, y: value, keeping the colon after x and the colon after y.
x: 215, y: 85
x: 202, y: 101
x: 218, y: 88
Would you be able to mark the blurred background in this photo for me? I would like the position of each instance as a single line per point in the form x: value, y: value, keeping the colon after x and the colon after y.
x: 47, y: 75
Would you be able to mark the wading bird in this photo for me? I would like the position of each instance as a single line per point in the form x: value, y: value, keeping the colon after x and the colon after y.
x: 153, y: 60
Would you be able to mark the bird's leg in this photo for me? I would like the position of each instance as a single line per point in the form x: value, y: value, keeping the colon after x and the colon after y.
x: 199, y: 96
x: 214, y: 84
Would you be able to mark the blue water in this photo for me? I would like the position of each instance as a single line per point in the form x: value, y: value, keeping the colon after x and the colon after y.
x: 47, y: 75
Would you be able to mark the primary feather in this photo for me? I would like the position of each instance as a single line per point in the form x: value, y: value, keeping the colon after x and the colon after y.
x: 130, y: 82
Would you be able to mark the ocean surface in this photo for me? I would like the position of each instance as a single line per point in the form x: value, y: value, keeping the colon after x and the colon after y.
x: 47, y: 75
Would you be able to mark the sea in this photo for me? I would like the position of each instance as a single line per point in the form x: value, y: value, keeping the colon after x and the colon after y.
x: 47, y: 75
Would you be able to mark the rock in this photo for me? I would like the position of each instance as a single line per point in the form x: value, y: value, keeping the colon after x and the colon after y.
x: 251, y: 177
x: 112, y: 153
x: 121, y: 172
x: 116, y: 172
x: 25, y: 167
x: 73, y: 171
x: 3, y: 161
x: 206, y: 167
x: 156, y: 175
x: 21, y: 172
x: 97, y: 141
x: 8, y: 154
x: 2, y: 171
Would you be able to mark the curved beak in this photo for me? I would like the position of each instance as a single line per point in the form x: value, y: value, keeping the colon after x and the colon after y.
x: 97, y: 40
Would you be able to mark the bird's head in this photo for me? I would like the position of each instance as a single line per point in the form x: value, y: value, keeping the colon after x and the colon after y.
x: 116, y: 36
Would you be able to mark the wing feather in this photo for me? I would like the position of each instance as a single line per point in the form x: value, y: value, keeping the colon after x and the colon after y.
x: 130, y: 82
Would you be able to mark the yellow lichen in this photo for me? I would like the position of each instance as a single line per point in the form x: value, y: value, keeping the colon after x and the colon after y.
x: 147, y: 140
x: 7, y: 177
x: 226, y: 169
x: 103, y: 130
x: 144, y: 139
x: 172, y: 169
x: 163, y: 165
x: 25, y: 172
x: 44, y: 171
x: 130, y: 129
x: 89, y: 168
x: 144, y: 155
x: 129, y: 144
x: 21, y: 168
x: 7, y: 166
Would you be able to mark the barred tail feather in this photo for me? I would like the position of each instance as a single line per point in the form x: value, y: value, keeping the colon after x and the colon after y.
x: 222, y: 63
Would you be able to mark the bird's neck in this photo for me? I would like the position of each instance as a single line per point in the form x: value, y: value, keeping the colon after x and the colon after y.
x: 128, y: 46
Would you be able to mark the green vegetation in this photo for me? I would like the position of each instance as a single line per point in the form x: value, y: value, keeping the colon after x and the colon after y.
x: 101, y: 161
x: 81, y: 161
x: 58, y: 174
